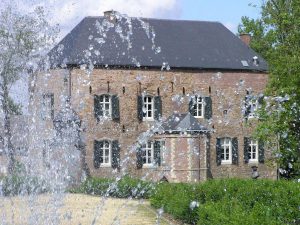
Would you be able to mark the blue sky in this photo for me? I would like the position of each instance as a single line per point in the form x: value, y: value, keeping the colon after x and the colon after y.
x: 228, y: 12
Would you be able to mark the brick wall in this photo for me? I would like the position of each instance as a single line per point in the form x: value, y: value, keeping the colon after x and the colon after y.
x: 227, y: 90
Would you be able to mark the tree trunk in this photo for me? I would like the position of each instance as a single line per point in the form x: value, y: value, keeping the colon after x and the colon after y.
x: 9, y: 149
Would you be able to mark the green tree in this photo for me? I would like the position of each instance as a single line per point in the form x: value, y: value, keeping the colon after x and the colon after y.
x: 24, y: 40
x: 276, y: 36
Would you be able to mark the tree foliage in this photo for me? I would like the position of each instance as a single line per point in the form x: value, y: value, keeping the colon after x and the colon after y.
x: 25, y: 39
x: 276, y: 36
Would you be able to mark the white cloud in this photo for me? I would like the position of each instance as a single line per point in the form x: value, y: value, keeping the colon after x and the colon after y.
x: 68, y: 13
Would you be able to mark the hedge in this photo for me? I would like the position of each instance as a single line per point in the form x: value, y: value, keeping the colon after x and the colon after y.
x: 231, y: 201
x: 126, y: 187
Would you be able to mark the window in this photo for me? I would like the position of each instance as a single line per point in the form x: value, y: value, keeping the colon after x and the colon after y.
x: 47, y: 107
x: 253, y: 107
x: 105, y: 105
x: 226, y: 150
x: 253, y: 151
x: 148, y: 108
x: 201, y: 107
x: 148, y: 154
x: 198, y: 107
x: 105, y: 153
x: 163, y: 151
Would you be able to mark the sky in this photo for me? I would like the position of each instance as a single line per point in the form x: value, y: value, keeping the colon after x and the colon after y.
x: 68, y: 13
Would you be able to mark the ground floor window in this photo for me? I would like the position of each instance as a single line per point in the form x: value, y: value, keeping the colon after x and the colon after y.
x: 226, y: 150
x: 148, y: 153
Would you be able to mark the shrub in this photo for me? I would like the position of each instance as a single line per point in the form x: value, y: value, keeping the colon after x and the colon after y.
x: 231, y: 201
x: 126, y: 187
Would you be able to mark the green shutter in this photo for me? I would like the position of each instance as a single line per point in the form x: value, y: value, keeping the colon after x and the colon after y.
x: 115, y: 111
x: 192, y: 106
x: 235, y: 151
x: 157, y: 107
x: 115, y: 163
x: 140, y: 103
x: 157, y: 158
x: 208, y: 108
x: 139, y: 158
x: 260, y: 99
x: 261, y: 152
x: 218, y: 151
x: 97, y: 107
x: 97, y: 154
x: 246, y: 149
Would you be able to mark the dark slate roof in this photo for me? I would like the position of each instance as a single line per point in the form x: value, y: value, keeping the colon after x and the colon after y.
x: 184, y: 44
x: 182, y: 123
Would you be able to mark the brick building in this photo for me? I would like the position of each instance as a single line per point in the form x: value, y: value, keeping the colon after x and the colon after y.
x: 158, y: 98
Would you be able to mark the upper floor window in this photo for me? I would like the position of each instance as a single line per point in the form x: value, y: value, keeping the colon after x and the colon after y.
x: 106, y: 154
x: 201, y: 107
x: 106, y: 106
x: 149, y: 107
x: 252, y: 104
x: 47, y: 108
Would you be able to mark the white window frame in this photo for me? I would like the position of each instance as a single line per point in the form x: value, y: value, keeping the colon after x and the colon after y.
x: 253, y: 108
x: 199, y: 103
x: 102, y: 101
x: 253, y: 147
x: 226, y: 143
x: 146, y: 110
x: 149, y: 146
x: 104, y: 155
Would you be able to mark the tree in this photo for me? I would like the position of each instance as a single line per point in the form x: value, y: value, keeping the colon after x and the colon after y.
x: 24, y: 40
x: 276, y: 36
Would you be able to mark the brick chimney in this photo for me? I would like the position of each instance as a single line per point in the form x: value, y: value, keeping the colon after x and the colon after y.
x: 246, y: 38
x: 111, y: 15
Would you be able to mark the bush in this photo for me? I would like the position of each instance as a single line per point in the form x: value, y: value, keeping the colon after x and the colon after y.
x: 18, y: 183
x: 231, y: 201
x: 126, y: 187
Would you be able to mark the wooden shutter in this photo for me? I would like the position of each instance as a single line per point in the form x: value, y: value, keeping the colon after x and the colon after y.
x: 97, y: 154
x: 235, y: 151
x: 157, y: 107
x: 115, y: 111
x: 139, y: 158
x: 52, y: 105
x: 115, y: 162
x: 157, y: 158
x: 208, y: 108
x: 192, y: 106
x: 140, y: 103
x: 246, y: 149
x: 247, y: 106
x: 97, y: 107
x: 261, y: 152
x: 218, y: 152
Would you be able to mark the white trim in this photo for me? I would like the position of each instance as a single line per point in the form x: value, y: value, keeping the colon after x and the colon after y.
x: 227, y: 143
x: 199, y: 100
x: 103, y: 103
x: 149, y: 146
x: 253, y: 143
x: 148, y: 101
x: 108, y: 164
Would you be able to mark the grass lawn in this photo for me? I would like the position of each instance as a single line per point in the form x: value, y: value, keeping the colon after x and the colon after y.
x: 76, y: 209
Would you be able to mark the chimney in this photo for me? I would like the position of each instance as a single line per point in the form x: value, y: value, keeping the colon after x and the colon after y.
x: 111, y: 15
x: 246, y: 38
